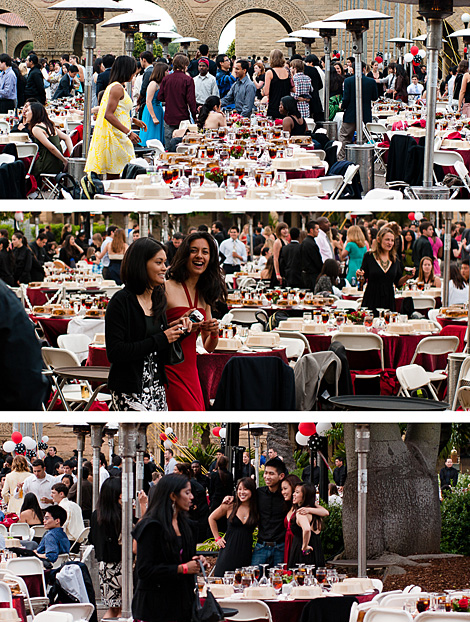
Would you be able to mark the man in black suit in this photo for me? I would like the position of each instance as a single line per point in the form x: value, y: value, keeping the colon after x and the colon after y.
x: 423, y: 247
x: 202, y: 52
x: 66, y: 82
x: 35, y: 82
x: 311, y: 69
x: 217, y: 230
x: 290, y: 259
x: 146, y: 60
x: 310, y: 256
x: 369, y: 94
x: 102, y: 80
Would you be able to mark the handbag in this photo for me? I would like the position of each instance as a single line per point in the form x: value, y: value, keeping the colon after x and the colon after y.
x: 211, y: 611
x: 175, y: 353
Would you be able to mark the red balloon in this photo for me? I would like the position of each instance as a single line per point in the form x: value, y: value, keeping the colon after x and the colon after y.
x: 216, y: 431
x: 307, y: 429
x: 411, y: 216
x: 163, y: 437
x: 378, y: 59
x: 414, y: 49
x: 465, y: 50
x: 17, y: 437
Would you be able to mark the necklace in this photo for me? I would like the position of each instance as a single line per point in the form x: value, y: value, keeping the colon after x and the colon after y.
x: 384, y: 264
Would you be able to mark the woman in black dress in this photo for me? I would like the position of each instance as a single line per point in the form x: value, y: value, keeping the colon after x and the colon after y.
x: 166, y: 555
x: 199, y: 511
x: 278, y: 83
x: 242, y: 515
x: 220, y: 486
x: 306, y: 544
x: 293, y: 122
x: 71, y: 253
x: 382, y: 270
x: 6, y: 263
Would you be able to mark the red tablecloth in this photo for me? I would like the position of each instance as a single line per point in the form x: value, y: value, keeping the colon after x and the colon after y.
x: 465, y: 153
x: 18, y: 604
x: 40, y: 295
x: 310, y: 174
x: 445, y: 321
x: 52, y: 327
x: 97, y: 356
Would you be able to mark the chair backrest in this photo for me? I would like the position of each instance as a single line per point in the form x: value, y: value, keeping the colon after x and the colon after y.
x: 82, y: 536
x: 462, y: 172
x: 412, y: 377
x: 432, y: 315
x: 361, y: 342
x: 331, y: 183
x: 350, y: 172
x: 244, y: 316
x: 447, y: 158
x: 6, y: 158
x: 384, y: 194
x: 37, y: 531
x: 27, y: 567
x: 248, y: 610
x: 3, y: 531
x: 424, y: 302
x: 346, y: 304
x: 293, y: 334
x: 399, y: 600
x: 381, y: 614
x: 5, y: 594
x: 378, y: 584
x: 378, y: 598
x: 78, y: 611
x: 58, y: 357
x: 61, y: 559
x: 54, y: 616
x: 442, y: 616
x: 376, y: 128
x: 75, y: 342
x: 20, y: 529
x: 462, y: 398
x: 320, y: 153
x: 436, y: 345
x: 294, y: 347
x: 110, y: 291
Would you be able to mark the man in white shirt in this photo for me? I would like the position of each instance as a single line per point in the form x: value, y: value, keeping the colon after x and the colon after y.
x: 205, y: 83
x: 415, y: 89
x: 323, y: 241
x: 40, y: 483
x: 233, y: 250
x: 170, y: 462
x: 67, y: 469
x: 74, y: 525
x: 104, y: 473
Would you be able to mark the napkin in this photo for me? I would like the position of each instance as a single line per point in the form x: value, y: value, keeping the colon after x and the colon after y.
x: 454, y: 136
x: 419, y: 123
x: 399, y: 125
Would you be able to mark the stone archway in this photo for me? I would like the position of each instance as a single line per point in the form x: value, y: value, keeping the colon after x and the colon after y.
x: 186, y: 21
x: 37, y: 25
x: 288, y: 14
x: 19, y: 46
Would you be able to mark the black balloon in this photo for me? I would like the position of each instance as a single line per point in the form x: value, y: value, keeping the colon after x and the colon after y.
x: 20, y: 448
x: 315, y: 442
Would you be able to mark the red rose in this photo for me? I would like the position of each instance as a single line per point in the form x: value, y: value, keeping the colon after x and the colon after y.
x: 288, y: 573
x: 463, y: 603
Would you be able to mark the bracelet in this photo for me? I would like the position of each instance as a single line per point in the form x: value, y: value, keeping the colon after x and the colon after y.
x: 129, y: 133
x: 215, y: 337
x: 217, y: 539
x: 185, y: 568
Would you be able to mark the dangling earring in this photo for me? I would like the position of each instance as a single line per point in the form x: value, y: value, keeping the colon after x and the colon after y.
x: 173, y: 507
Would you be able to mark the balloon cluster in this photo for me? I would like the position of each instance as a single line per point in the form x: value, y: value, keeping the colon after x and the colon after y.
x: 310, y: 430
x: 168, y: 438
x: 219, y: 432
x: 415, y: 55
x: 20, y: 445
x: 415, y: 216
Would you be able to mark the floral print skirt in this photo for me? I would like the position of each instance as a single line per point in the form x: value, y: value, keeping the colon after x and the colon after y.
x: 152, y: 397
x: 111, y: 583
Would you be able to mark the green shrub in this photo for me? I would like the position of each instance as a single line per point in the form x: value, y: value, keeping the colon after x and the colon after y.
x: 455, y: 513
x: 332, y: 531
x: 205, y: 456
x: 301, y: 458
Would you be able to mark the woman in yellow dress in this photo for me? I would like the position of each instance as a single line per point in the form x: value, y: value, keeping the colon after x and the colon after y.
x: 112, y: 145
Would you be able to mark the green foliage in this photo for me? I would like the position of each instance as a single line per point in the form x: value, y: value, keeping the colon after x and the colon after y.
x: 231, y: 49
x: 460, y: 438
x: 140, y: 46
x: 301, y: 458
x: 332, y: 530
x: 26, y: 49
x: 209, y: 544
x: 205, y: 456
x: 455, y: 514
x: 9, y: 228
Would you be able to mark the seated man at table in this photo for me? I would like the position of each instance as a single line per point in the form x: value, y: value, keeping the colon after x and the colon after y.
x: 54, y: 542
x: 73, y: 526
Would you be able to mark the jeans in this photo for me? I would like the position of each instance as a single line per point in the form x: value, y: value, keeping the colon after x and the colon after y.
x: 271, y: 555
x: 169, y: 129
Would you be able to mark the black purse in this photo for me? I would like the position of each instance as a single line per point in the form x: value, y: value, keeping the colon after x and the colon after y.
x: 211, y: 611
x: 175, y: 353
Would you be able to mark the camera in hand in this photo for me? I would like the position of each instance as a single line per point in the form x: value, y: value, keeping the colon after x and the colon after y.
x: 196, y: 316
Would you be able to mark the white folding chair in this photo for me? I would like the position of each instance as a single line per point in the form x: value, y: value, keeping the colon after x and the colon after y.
x: 362, y: 342
x: 78, y: 611
x: 384, y: 194
x: 247, y: 282
x: 320, y: 153
x: 380, y: 614
x: 432, y: 316
x: 378, y: 598
x: 330, y: 183
x: 248, y: 610
x: 310, y: 124
x: 81, y: 539
x: 156, y: 145
x: 6, y: 158
x: 75, y: 343
x: 5, y: 594
x: 436, y: 346
x: 354, y: 305
x: 37, y: 531
x: 55, y: 616
x: 463, y: 381
x: 27, y: 567
x: 27, y: 150
x: 376, y: 133
x: 446, y: 158
x: 347, y: 179
x: 378, y: 585
x: 462, y: 172
x: 61, y: 559
x: 424, y: 302
x: 294, y: 334
x: 294, y: 348
x: 397, y: 601
x: 110, y: 291
x: 413, y: 377
x: 3, y: 531
x: 245, y: 317
x: 20, y: 529
x: 4, y: 127
x: 442, y: 616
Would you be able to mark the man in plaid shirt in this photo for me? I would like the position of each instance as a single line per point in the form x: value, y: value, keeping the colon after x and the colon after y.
x: 303, y: 87
x: 224, y: 78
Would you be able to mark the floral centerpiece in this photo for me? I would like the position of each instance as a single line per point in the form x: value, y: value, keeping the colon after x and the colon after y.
x: 460, y: 605
x: 287, y: 576
x: 215, y: 174
x: 276, y: 295
x: 439, y: 115
x: 236, y: 151
x: 356, y: 317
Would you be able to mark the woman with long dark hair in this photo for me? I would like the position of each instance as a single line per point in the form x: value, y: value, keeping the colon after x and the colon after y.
x: 50, y: 158
x: 70, y: 252
x: 306, y: 544
x: 242, y: 518
x: 22, y: 258
x: 166, y: 555
x: 328, y: 277
x: 426, y: 273
x: 401, y: 84
x: 105, y: 535
x: 138, y: 336
x: 19, y: 472
x: 458, y: 287
x: 199, y: 511
x: 210, y: 115
x: 115, y: 249
x: 288, y: 485
x: 375, y: 74
x: 112, y: 144
x: 409, y: 239
x: 282, y: 239
x: 293, y: 121
x: 194, y: 282
x: 382, y: 270
x: 6, y: 262
x: 152, y: 115
x: 278, y: 82
x: 220, y: 485
x: 31, y: 512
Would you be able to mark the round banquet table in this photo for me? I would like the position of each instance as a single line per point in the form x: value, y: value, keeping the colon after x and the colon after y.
x: 52, y: 327
x: 97, y: 376
x: 18, y: 605
x: 386, y: 402
x: 452, y: 321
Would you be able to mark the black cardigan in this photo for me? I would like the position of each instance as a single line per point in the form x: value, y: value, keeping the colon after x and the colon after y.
x: 107, y: 547
x: 23, y: 261
x: 127, y: 344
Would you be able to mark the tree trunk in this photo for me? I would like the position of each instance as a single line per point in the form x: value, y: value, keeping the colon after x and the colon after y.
x: 206, y: 435
x: 278, y: 439
x: 403, y: 509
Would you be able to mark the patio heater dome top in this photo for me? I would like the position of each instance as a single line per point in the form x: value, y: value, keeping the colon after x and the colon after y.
x: 104, y: 5
x: 257, y: 429
x: 305, y: 34
x: 420, y: 37
x: 465, y: 32
x: 400, y: 40
x: 155, y: 28
x: 185, y: 40
x: 357, y: 14
x: 322, y: 24
x: 128, y: 19
x: 289, y: 40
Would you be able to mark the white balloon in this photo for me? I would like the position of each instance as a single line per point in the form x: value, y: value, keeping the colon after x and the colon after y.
x: 301, y: 439
x: 223, y: 433
x: 167, y: 444
x: 419, y: 215
x: 29, y: 442
x: 422, y: 53
x: 323, y: 427
x: 41, y: 454
x: 408, y: 57
x: 9, y: 446
x: 168, y: 430
x: 45, y: 439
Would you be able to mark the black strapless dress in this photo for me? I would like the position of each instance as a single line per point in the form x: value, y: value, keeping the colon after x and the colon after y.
x: 315, y: 557
x: 238, y: 547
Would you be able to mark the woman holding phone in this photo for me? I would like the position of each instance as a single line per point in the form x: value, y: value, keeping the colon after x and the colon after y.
x: 194, y: 285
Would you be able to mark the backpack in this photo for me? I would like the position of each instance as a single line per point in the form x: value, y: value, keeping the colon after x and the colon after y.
x: 275, y: 319
x: 69, y: 189
x: 91, y: 184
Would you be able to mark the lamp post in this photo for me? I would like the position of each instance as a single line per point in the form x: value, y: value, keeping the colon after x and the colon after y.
x: 88, y: 13
x: 257, y: 430
x: 327, y: 31
x: 290, y: 43
x: 362, y: 448
x: 129, y: 25
x: 357, y: 23
x: 185, y: 42
x: 307, y: 37
x: 150, y: 32
x: 400, y: 42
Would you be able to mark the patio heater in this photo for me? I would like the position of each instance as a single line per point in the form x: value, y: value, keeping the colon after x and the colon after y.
x: 185, y: 42
x: 129, y: 25
x: 465, y: 33
x: 290, y: 43
x: 80, y: 430
x: 150, y: 32
x: 257, y: 430
x: 434, y: 12
x: 141, y: 444
x: 327, y: 30
x: 144, y: 224
x: 357, y: 23
x: 96, y: 432
x: 307, y: 37
x: 88, y: 13
x: 362, y: 448
x: 400, y: 43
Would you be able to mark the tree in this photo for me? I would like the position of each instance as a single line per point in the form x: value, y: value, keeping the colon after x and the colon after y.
x: 231, y: 49
x: 278, y: 439
x: 403, y: 511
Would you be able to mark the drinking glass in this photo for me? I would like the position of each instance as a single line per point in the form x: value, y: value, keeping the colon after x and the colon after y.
x: 264, y: 579
x: 238, y: 577
x: 276, y: 578
x: 288, y: 152
x: 232, y: 184
x: 321, y: 575
x: 340, y: 319
x: 368, y: 319
x: 193, y: 181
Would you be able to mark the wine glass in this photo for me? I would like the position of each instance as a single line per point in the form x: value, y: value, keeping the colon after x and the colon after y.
x: 368, y: 320
x: 233, y: 181
x: 264, y: 579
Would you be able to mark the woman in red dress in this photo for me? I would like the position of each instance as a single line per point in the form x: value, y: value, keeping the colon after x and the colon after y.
x: 288, y: 485
x: 194, y: 282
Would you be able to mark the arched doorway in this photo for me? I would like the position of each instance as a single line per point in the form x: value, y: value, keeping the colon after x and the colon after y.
x: 19, y: 49
x: 255, y: 34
